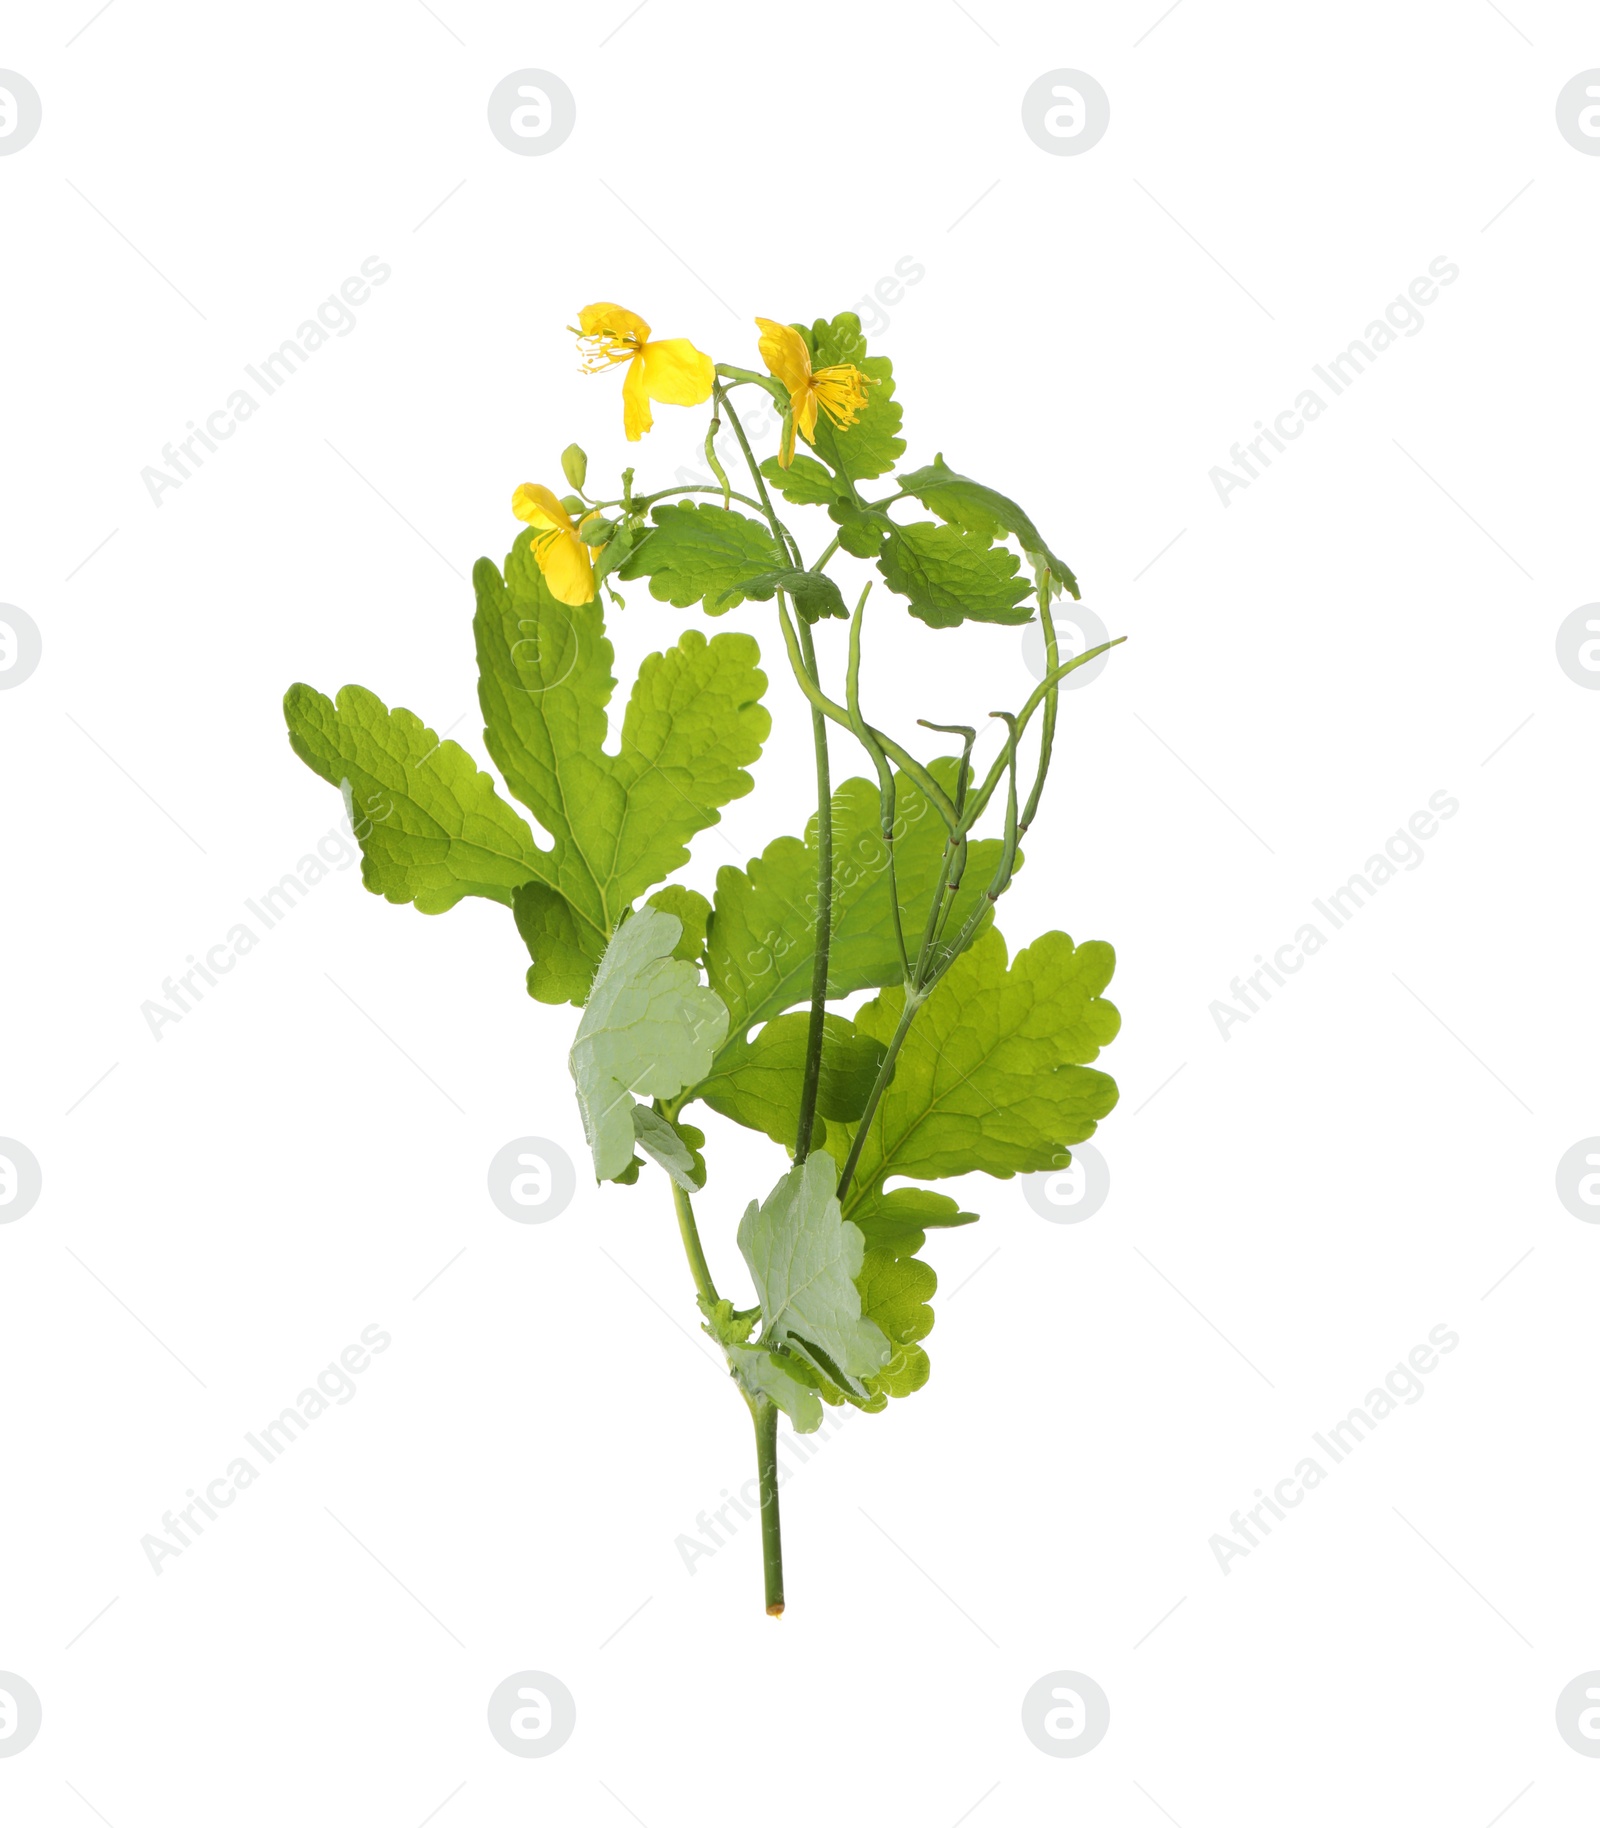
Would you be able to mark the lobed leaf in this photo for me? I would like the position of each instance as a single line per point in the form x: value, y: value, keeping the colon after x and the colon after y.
x: 993, y: 1076
x: 431, y: 826
x: 650, y: 1027
x: 618, y: 823
x: 699, y: 553
x: 952, y: 576
x: 804, y: 1260
x: 984, y: 512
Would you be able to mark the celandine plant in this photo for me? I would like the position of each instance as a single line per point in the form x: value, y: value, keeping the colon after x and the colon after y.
x: 965, y: 1061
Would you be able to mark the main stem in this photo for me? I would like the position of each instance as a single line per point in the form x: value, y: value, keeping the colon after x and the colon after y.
x: 824, y: 926
x: 766, y: 1419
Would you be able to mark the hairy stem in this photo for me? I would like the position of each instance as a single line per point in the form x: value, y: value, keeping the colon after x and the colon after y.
x: 766, y: 1420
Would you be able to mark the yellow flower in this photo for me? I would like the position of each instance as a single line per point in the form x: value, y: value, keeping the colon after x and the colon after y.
x: 672, y: 371
x: 558, y: 548
x: 840, y: 390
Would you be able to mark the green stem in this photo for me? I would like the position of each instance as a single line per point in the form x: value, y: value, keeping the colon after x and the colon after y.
x: 913, y: 1002
x: 824, y: 918
x: 887, y: 813
x: 819, y: 743
x: 692, y: 1248
x: 906, y: 762
x: 766, y: 1420
x: 1047, y: 732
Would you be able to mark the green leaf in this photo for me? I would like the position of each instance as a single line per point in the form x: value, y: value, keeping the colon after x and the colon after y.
x: 993, y: 1076
x: 431, y: 826
x: 898, y: 1222
x: 564, y: 949
x: 953, y: 576
x: 895, y: 1289
x: 698, y: 552
x: 872, y: 445
x: 814, y: 593
x: 984, y: 512
x: 782, y: 1379
x: 805, y: 482
x: 862, y: 531
x: 757, y: 1082
x: 620, y: 823
x: 778, y: 1376
x: 763, y: 923
x: 693, y: 910
x: 804, y: 1260
x: 666, y: 1148
x: 650, y: 1027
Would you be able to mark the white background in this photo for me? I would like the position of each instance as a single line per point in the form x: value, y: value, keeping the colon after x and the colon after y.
x: 1364, y: 1159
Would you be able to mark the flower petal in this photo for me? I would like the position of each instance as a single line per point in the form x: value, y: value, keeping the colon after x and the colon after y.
x: 677, y: 373
x: 784, y: 352
x: 535, y: 504
x: 803, y: 404
x: 636, y: 415
x: 613, y: 320
x: 564, y: 560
